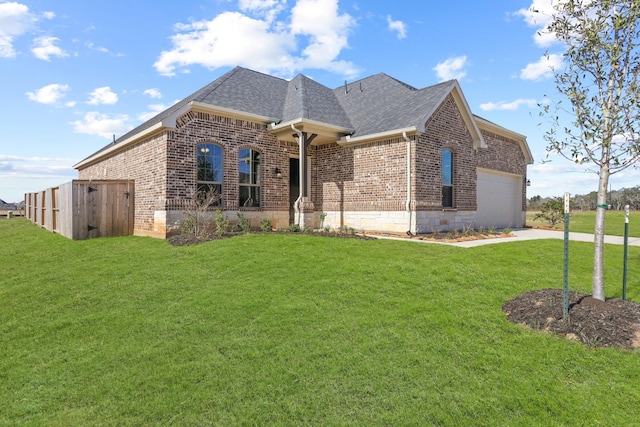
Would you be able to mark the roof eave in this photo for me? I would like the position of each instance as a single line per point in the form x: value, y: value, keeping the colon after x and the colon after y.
x: 326, y: 132
x: 121, y: 145
x: 229, y: 112
x: 348, y: 140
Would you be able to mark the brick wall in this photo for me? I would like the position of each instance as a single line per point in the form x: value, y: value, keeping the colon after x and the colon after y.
x: 232, y: 135
x: 365, y: 177
x: 445, y: 129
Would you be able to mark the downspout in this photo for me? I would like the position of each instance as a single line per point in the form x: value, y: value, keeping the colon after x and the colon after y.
x: 302, y: 180
x: 408, y: 202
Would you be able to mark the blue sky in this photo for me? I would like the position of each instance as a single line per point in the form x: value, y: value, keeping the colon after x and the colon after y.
x: 74, y: 73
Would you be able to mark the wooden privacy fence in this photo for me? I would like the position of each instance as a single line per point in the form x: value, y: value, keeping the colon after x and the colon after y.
x: 83, y: 209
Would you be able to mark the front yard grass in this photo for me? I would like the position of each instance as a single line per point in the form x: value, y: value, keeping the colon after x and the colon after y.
x: 297, y: 330
x: 584, y: 222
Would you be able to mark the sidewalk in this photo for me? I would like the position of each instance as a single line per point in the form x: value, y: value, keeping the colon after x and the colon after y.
x: 531, y: 234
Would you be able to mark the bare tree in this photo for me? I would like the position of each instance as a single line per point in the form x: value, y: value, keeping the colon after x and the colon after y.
x: 197, y: 213
x: 600, y: 81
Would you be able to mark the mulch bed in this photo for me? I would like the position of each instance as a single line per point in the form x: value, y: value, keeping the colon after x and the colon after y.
x: 192, y: 239
x: 611, y: 323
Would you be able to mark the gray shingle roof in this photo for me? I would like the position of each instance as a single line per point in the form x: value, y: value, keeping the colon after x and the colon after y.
x: 381, y: 103
x: 374, y: 104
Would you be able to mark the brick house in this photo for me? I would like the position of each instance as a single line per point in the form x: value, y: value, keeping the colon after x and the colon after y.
x: 376, y: 155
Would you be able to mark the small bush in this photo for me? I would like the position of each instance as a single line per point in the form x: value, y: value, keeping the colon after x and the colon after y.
x: 222, y: 223
x: 265, y: 225
x: 552, y: 211
x: 197, y: 219
x: 244, y: 223
x: 294, y: 228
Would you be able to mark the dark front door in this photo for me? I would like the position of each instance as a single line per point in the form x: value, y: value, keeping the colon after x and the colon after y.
x: 294, y: 187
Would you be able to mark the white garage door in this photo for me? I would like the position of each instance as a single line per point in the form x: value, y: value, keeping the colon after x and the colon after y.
x: 499, y: 199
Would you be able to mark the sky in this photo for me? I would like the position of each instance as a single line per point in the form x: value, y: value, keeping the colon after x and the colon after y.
x: 74, y: 73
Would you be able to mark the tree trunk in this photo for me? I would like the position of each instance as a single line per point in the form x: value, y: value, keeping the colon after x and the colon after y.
x: 598, y: 236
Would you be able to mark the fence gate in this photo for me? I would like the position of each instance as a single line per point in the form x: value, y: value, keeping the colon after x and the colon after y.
x: 85, y: 209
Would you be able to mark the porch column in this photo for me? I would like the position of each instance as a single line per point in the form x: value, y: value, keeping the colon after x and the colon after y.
x: 304, y: 206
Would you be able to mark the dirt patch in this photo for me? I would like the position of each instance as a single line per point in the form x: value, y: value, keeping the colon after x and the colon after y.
x: 611, y: 323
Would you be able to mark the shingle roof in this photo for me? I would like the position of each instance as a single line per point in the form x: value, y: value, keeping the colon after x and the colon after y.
x: 380, y: 103
x: 374, y: 104
x: 308, y: 99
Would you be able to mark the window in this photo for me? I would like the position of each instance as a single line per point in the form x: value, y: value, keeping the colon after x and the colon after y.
x: 210, y: 172
x: 249, y: 167
x: 447, y: 178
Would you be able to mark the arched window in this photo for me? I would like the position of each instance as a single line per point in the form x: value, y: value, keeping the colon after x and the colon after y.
x: 249, y: 179
x: 210, y: 172
x: 447, y: 178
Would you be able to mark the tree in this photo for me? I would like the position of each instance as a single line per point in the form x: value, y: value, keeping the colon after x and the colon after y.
x: 552, y: 211
x: 600, y: 81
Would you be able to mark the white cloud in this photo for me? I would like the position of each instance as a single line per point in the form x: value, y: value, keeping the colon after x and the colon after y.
x: 513, y: 105
x: 103, y: 95
x: 452, y: 68
x: 543, y: 69
x: 92, y: 46
x: 269, y: 9
x: 49, y: 94
x: 313, y: 36
x: 44, y: 48
x: 539, y: 15
x: 153, y: 93
x: 49, y: 15
x: 15, y: 20
x: 94, y: 123
x: 397, y: 26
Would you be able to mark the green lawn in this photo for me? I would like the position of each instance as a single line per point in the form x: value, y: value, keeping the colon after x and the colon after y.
x: 584, y: 222
x: 297, y: 330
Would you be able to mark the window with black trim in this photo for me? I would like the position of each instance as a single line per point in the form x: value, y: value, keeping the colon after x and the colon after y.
x: 249, y: 179
x: 447, y: 178
x: 210, y: 174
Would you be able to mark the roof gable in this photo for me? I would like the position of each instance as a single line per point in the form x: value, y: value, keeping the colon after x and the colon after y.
x: 307, y: 99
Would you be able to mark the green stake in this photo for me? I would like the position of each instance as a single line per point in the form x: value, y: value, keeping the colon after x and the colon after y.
x: 565, y: 288
x: 626, y: 250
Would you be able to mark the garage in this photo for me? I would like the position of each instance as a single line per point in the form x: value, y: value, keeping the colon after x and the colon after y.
x: 499, y: 199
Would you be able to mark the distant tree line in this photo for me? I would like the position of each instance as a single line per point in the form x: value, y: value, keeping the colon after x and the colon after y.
x: 587, y: 202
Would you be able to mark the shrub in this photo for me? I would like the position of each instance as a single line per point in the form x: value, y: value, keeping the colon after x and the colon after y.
x: 265, y: 224
x: 197, y: 219
x: 552, y: 211
x: 222, y: 223
x: 295, y: 228
x: 244, y: 223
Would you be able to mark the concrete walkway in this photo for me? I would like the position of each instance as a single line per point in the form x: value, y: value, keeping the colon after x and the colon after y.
x: 529, y: 234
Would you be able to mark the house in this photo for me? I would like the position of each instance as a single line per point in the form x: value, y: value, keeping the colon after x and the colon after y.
x: 376, y: 154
